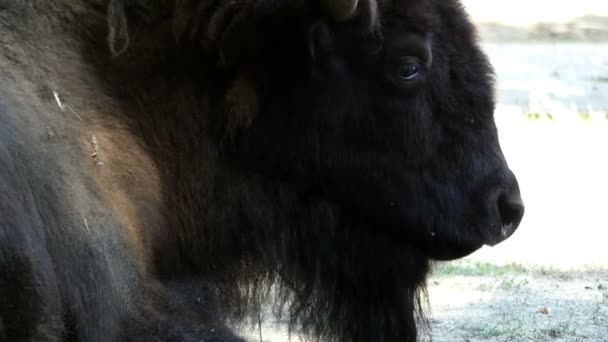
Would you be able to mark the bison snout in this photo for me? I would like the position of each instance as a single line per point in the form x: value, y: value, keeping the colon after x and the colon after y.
x: 508, y: 209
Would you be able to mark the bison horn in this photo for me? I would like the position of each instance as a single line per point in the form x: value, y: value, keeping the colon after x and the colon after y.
x: 340, y: 10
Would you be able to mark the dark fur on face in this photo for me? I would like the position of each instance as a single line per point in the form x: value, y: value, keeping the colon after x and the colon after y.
x: 315, y: 161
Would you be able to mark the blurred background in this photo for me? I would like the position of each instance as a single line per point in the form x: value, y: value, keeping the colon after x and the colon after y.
x: 551, y: 60
x: 549, y: 282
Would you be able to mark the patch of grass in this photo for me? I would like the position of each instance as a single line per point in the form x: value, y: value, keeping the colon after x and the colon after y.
x: 555, y: 273
x: 512, y: 284
x: 478, y: 269
x: 466, y: 268
x: 506, y: 284
x: 533, y: 116
x: 484, y: 331
x: 562, y: 330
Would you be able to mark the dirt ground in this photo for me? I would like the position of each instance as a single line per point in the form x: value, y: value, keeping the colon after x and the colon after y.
x: 536, y: 305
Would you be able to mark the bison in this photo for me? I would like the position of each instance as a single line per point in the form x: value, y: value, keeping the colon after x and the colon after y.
x: 169, y: 166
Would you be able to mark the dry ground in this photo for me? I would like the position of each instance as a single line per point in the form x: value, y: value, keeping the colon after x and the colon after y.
x: 481, y: 302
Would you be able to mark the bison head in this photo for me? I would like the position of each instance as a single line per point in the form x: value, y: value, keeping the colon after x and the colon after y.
x: 368, y: 131
x: 384, y: 114
x: 346, y: 144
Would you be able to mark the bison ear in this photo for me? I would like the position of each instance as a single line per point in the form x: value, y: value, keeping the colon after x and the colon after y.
x: 320, y: 41
x: 227, y: 28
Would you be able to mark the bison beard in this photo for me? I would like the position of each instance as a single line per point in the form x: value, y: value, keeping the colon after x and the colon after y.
x: 220, y: 154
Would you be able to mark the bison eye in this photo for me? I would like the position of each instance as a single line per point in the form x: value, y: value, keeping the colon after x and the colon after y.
x: 409, y: 69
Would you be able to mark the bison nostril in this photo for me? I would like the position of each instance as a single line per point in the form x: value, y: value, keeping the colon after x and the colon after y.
x: 506, y: 212
x: 511, y: 211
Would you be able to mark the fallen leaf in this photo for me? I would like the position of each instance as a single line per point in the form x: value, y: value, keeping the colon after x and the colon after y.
x: 543, y: 310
